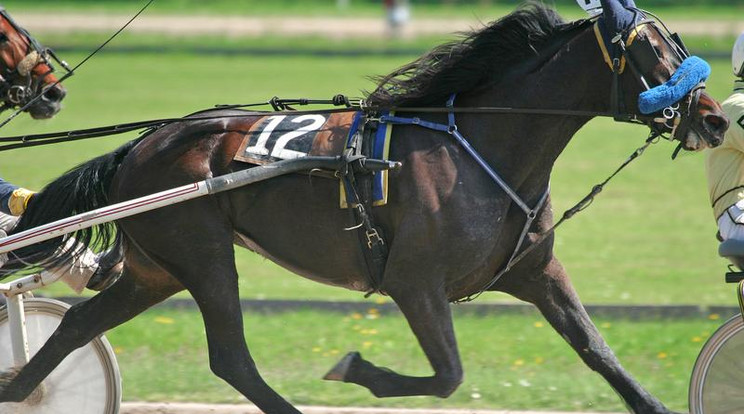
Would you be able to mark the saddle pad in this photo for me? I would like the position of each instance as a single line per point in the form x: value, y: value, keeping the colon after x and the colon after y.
x: 282, y: 136
x: 287, y: 136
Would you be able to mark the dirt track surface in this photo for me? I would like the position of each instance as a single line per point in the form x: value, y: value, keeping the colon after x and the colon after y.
x: 187, y: 408
x: 294, y: 25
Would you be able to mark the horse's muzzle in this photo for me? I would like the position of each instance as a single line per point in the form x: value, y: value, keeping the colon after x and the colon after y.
x: 716, y: 126
x: 49, y: 104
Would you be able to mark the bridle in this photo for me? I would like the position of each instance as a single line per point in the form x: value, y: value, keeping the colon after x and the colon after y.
x: 18, y: 86
x: 673, y: 121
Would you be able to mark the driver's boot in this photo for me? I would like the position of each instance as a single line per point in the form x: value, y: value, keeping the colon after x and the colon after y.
x: 110, y: 267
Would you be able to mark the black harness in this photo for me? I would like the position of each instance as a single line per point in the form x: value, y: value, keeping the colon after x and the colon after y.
x: 358, y: 189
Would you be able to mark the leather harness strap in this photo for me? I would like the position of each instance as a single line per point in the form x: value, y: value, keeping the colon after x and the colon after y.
x: 358, y: 190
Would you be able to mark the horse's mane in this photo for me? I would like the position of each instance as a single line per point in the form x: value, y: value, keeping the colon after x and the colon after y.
x: 480, y: 57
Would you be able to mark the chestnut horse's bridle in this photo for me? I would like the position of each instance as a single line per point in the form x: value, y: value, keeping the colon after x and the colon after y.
x: 17, y: 85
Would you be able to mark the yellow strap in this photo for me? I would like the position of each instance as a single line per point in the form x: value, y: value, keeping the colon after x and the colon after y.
x: 19, y: 201
x: 631, y: 37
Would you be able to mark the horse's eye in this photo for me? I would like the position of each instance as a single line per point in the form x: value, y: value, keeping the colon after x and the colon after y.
x: 3, y: 37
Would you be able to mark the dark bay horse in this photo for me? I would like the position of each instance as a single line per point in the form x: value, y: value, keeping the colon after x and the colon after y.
x: 449, y: 228
x: 26, y: 72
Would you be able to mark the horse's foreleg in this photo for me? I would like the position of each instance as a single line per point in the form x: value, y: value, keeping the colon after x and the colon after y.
x: 556, y: 298
x: 428, y: 314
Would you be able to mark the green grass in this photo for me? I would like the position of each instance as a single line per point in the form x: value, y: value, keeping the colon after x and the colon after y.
x: 510, y: 362
x: 686, y: 10
x: 308, y: 45
x: 648, y: 238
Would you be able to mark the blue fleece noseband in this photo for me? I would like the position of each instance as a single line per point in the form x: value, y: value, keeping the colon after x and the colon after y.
x: 689, y: 74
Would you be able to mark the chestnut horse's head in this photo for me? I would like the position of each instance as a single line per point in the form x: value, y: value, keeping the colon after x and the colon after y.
x: 646, y: 57
x: 26, y: 72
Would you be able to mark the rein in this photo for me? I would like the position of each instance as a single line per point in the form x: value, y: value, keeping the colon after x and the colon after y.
x: 283, y: 106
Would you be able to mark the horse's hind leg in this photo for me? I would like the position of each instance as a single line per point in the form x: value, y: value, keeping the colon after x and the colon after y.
x: 217, y: 296
x: 201, y: 257
x: 428, y: 313
x: 556, y: 298
x: 131, y: 295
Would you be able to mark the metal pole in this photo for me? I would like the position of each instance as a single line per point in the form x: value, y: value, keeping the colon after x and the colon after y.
x: 17, y: 327
x: 164, y: 198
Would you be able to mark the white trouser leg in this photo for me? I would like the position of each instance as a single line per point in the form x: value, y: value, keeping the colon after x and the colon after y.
x: 79, y: 270
x: 76, y: 273
x: 6, y: 223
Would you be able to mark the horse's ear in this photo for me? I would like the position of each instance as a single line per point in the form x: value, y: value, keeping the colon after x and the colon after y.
x: 628, y: 4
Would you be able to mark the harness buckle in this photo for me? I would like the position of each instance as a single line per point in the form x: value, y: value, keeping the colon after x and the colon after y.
x: 374, y: 237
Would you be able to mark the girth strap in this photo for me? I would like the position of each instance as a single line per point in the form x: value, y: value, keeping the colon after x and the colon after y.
x: 373, y: 246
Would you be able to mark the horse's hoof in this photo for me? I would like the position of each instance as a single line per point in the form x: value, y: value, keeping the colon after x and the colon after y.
x: 338, y: 373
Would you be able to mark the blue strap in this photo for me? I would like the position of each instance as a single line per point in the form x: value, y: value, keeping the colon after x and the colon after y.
x: 451, y: 129
x: 354, y: 127
x: 451, y: 114
x: 390, y: 119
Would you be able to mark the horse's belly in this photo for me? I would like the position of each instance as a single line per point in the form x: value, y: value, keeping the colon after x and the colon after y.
x: 300, y: 226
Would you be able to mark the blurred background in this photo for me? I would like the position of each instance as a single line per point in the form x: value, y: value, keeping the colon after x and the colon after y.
x: 647, y: 241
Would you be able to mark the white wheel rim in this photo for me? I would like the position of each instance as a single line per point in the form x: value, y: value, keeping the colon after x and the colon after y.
x: 716, y: 384
x: 86, y: 382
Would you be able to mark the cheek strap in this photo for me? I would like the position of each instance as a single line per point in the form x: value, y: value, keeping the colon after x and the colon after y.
x: 688, y: 75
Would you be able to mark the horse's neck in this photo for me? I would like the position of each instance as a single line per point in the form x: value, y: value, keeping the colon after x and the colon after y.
x: 575, y: 78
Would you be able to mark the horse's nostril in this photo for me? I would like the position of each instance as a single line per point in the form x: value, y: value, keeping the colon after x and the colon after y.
x: 715, y: 123
x: 55, y: 94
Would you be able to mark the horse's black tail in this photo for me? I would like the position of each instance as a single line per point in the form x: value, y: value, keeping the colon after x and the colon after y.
x: 81, y: 189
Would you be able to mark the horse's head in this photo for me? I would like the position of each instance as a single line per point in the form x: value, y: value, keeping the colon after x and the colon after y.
x: 26, y: 72
x: 665, y: 84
